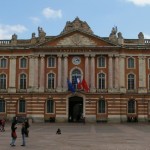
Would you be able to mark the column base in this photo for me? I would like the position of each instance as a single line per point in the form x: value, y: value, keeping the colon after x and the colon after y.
x: 123, y: 90
x: 59, y: 89
x: 92, y: 90
x: 142, y: 90
x: 12, y: 90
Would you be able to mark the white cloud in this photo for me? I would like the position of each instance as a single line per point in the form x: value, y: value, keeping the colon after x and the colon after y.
x: 6, y: 31
x: 35, y: 20
x: 50, y: 13
x: 140, y: 2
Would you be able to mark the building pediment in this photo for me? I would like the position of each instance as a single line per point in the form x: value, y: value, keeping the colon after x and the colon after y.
x: 77, y: 38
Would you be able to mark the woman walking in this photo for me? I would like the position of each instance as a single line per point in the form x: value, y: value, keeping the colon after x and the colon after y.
x: 13, y: 133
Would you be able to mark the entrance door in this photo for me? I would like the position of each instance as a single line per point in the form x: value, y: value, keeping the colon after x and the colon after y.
x: 75, y: 109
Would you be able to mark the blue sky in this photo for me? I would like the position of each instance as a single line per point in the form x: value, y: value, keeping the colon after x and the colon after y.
x: 24, y: 16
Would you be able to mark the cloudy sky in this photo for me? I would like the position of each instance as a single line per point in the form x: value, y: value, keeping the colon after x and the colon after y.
x: 24, y: 16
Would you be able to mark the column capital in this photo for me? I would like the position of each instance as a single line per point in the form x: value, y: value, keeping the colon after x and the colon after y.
x: 141, y: 57
x: 86, y: 55
x: 65, y: 55
x: 42, y: 55
x: 59, y: 55
x: 122, y: 56
x: 93, y: 55
x: 110, y: 55
x: 12, y: 57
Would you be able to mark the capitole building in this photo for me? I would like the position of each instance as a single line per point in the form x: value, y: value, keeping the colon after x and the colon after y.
x: 34, y: 73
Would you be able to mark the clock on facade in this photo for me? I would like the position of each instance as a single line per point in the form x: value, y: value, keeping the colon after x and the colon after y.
x: 76, y: 60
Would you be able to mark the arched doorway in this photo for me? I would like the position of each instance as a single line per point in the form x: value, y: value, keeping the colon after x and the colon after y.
x: 75, y: 109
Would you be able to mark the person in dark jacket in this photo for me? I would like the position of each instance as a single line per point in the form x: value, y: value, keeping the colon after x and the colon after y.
x: 27, y: 127
x: 23, y: 132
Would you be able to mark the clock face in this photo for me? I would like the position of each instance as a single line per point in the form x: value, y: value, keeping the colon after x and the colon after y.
x: 76, y: 60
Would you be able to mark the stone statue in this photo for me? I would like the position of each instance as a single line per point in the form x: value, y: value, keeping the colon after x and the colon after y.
x: 14, y: 37
x: 120, y: 35
x: 141, y: 35
x: 42, y: 34
x: 114, y: 30
x: 33, y: 35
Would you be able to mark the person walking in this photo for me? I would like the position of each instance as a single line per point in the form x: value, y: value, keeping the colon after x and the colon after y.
x: 27, y: 127
x: 13, y: 133
x: 23, y: 132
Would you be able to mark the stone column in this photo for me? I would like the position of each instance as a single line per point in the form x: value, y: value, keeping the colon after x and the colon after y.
x: 59, y: 75
x: 142, y: 75
x: 122, y: 73
x: 65, y: 72
x: 110, y: 73
x: 36, y: 75
x: 116, y: 72
x: 12, y: 74
x: 31, y: 73
x: 42, y: 73
x: 87, y: 68
x: 92, y: 88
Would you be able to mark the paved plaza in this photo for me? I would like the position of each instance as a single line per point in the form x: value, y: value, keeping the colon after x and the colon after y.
x: 78, y: 136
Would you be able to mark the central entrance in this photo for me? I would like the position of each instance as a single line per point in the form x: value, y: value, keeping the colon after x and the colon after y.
x: 75, y: 109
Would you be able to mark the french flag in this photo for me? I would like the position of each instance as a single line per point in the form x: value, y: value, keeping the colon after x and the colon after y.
x: 78, y: 82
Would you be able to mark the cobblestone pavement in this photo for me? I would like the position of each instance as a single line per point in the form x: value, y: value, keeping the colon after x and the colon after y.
x: 101, y: 136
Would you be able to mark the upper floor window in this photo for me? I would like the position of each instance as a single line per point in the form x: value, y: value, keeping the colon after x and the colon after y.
x: 2, y: 81
x: 51, y: 61
x: 131, y: 106
x: 149, y: 81
x: 3, y: 63
x: 101, y: 106
x: 51, y: 79
x: 101, y: 81
x: 23, y: 63
x: 50, y: 106
x: 149, y: 63
x: 23, y: 81
x: 76, y: 74
x: 22, y: 106
x: 2, y: 106
x: 131, y: 82
x: 101, y: 61
x: 130, y: 62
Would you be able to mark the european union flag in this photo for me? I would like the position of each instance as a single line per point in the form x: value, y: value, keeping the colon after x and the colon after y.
x: 70, y: 86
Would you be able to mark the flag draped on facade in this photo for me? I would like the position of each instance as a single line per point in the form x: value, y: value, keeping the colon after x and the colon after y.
x: 78, y: 82
x: 70, y: 86
x: 84, y: 85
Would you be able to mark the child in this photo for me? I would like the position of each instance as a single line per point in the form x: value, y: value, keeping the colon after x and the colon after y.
x: 58, y: 131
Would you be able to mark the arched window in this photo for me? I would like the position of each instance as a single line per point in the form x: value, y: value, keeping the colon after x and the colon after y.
x: 23, y: 81
x: 101, y: 106
x: 2, y: 81
x: 76, y: 74
x: 101, y: 61
x: 131, y: 106
x: 23, y: 63
x: 3, y: 62
x: 101, y: 81
x: 51, y: 61
x: 2, y: 106
x: 131, y: 82
x: 51, y: 79
x: 131, y: 62
x: 22, y: 106
x: 50, y: 106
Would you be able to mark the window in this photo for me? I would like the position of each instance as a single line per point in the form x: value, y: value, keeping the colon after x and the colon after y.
x: 23, y: 63
x: 50, y: 106
x: 22, y: 106
x: 3, y: 62
x: 131, y: 82
x: 101, y: 61
x: 101, y: 106
x: 149, y: 82
x: 23, y: 81
x: 51, y: 78
x: 76, y: 74
x: 2, y: 106
x: 2, y: 81
x: 131, y: 106
x: 149, y: 63
x: 51, y: 61
x: 101, y: 81
x: 130, y: 62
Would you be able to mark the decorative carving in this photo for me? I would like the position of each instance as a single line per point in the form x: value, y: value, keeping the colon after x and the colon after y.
x: 141, y: 38
x: 75, y: 40
x: 120, y: 35
x: 112, y: 36
x: 77, y: 24
x: 14, y: 39
x: 41, y: 34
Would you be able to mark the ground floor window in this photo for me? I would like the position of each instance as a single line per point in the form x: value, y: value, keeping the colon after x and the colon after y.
x: 2, y: 106
x: 102, y: 106
x: 131, y: 106
x: 22, y: 106
x: 50, y: 106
